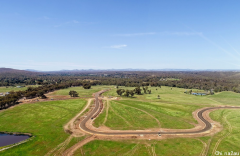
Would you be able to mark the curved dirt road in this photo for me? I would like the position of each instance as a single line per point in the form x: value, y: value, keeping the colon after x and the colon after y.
x: 96, y: 110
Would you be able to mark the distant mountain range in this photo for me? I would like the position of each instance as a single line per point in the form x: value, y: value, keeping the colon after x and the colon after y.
x: 130, y: 69
x: 10, y: 70
x: 14, y: 71
x: 32, y: 70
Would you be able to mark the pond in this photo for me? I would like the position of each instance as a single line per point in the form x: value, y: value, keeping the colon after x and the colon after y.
x: 198, y: 94
x: 8, y: 139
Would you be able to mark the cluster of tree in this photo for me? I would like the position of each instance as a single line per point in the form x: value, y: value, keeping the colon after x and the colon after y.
x: 131, y: 93
x: 127, y: 92
x: 73, y: 93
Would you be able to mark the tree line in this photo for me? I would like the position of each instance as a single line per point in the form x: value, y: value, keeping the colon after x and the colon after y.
x: 32, y: 92
x: 218, y: 81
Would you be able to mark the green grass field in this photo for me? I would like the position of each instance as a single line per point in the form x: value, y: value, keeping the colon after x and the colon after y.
x: 226, y: 98
x: 229, y: 137
x: 44, y: 120
x: 171, y: 147
x: 82, y: 92
x: 174, y: 110
x: 177, y: 96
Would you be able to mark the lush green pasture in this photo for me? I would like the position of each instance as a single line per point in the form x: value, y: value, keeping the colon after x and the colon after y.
x: 171, y: 147
x: 44, y: 120
x: 226, y: 98
x: 229, y: 137
x: 167, y: 95
x: 173, y: 109
x: 82, y: 92
x: 125, y: 117
x: 169, y: 116
x: 177, y: 96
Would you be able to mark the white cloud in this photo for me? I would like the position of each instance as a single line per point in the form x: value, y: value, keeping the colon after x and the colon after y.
x: 118, y: 46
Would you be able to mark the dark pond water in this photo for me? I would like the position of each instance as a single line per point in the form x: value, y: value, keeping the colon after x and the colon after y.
x: 7, y: 139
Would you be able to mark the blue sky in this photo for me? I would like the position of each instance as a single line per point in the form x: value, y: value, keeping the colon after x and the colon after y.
x: 92, y: 34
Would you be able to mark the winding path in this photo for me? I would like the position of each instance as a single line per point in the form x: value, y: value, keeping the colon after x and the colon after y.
x: 83, y: 126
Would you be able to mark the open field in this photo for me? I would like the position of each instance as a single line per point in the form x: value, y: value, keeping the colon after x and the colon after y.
x: 82, y: 92
x: 226, y: 98
x: 177, y: 96
x: 174, y: 109
x: 44, y: 120
x: 122, y: 114
x: 229, y: 138
x: 173, y: 147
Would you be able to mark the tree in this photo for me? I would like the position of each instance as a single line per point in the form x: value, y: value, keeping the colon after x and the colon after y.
x: 120, y: 91
x: 145, y: 89
x: 73, y: 93
x: 131, y: 93
x: 86, y: 85
x: 137, y: 90
x: 41, y: 94
x: 127, y: 93
x: 190, y: 92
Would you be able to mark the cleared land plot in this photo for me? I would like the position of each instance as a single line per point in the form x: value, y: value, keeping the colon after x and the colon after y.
x: 173, y: 147
x: 44, y: 120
